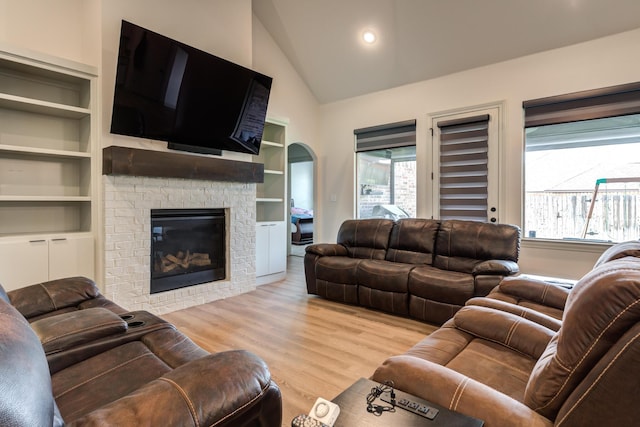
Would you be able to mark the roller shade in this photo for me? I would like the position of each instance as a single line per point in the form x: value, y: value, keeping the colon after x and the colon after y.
x: 464, y: 146
x: 392, y: 135
x: 586, y: 105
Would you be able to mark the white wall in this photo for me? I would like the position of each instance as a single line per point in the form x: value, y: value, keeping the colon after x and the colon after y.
x: 67, y: 29
x: 290, y: 98
x: 301, y: 174
x: 604, y: 62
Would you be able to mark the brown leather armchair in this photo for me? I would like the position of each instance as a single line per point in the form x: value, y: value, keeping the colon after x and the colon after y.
x: 512, y: 371
x: 95, y: 368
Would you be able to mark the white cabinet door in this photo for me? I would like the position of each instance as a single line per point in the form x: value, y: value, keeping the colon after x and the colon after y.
x: 271, y: 248
x: 277, y: 247
x: 262, y: 249
x: 71, y: 256
x: 23, y: 263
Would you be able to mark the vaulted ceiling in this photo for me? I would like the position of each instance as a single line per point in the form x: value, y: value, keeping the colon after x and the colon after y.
x: 423, y: 39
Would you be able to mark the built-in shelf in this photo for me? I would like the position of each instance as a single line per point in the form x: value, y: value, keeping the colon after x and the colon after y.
x: 42, y: 107
x: 271, y: 144
x: 271, y: 204
x: 273, y: 172
x: 47, y: 130
x: 4, y: 198
x: 43, y: 152
x: 269, y: 200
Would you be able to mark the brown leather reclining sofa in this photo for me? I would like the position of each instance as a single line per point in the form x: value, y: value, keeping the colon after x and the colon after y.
x: 507, y: 360
x: 82, y: 360
x: 423, y: 268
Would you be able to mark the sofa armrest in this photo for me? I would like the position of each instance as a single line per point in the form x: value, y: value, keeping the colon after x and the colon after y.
x: 445, y: 387
x: 510, y: 330
x: 67, y: 330
x: 534, y: 290
x: 52, y: 295
x: 327, y: 249
x: 499, y: 267
x: 226, y: 389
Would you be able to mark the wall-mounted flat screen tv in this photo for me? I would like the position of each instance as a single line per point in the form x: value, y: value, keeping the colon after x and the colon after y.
x: 166, y: 90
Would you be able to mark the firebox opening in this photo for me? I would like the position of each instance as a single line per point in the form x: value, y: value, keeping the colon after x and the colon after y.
x: 188, y: 247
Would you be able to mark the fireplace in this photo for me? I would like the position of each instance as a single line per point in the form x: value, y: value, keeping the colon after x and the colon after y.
x: 188, y: 247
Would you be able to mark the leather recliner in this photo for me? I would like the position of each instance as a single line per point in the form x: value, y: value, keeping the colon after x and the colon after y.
x: 512, y: 371
x: 91, y: 368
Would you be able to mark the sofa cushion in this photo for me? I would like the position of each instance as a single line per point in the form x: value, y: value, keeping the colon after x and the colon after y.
x: 384, y: 275
x: 461, y: 245
x: 412, y: 241
x: 336, y: 278
x: 439, y: 285
x: 619, y: 250
x: 365, y: 238
x: 383, y: 285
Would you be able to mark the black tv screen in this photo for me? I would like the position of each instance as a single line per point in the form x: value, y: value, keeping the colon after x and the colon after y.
x: 169, y: 91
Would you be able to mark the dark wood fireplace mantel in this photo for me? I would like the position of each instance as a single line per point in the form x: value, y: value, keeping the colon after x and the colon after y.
x: 162, y: 164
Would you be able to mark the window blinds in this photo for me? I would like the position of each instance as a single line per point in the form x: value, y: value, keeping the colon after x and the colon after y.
x: 392, y: 135
x: 464, y: 160
x: 586, y: 105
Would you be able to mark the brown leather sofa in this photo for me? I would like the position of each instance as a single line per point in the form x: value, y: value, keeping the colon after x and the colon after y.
x: 422, y: 268
x: 93, y: 367
x: 511, y: 370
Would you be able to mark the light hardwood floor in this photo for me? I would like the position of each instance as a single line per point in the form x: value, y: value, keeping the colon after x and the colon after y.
x: 312, y: 346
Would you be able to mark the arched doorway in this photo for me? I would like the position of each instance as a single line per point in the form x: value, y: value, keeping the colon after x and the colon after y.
x: 301, y: 190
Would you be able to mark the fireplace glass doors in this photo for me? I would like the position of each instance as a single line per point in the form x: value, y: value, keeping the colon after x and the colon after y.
x: 188, y: 247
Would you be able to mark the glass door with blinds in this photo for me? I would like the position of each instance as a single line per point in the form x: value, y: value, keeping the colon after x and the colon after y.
x: 465, y: 178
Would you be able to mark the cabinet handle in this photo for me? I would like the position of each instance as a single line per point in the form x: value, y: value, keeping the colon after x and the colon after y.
x: 59, y: 239
x: 37, y: 241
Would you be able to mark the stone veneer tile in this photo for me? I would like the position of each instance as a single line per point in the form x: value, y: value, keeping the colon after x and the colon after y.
x: 128, y: 201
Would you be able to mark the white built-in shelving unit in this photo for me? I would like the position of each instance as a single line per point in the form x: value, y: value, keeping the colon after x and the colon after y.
x: 47, y: 162
x: 271, y: 204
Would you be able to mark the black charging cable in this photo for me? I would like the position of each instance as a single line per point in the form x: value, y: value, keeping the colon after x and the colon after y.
x: 375, y: 393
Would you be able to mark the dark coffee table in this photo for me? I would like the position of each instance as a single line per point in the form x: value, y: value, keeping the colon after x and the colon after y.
x: 353, y: 411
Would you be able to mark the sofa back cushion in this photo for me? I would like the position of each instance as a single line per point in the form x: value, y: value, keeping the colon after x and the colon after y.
x: 25, y: 382
x: 619, y: 250
x: 460, y: 245
x: 412, y: 241
x: 365, y: 238
x: 601, y: 308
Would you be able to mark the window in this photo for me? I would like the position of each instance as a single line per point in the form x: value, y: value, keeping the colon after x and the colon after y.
x: 582, y: 166
x: 386, y: 171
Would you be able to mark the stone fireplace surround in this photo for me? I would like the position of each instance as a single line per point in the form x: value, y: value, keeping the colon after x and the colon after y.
x: 128, y: 200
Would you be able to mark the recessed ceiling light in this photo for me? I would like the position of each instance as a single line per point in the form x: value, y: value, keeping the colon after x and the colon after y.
x: 369, y: 37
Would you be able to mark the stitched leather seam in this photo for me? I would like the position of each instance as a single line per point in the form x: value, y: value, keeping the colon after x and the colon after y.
x: 46, y: 291
x: 582, y: 397
x: 102, y: 374
x: 455, y: 400
x: 115, y: 323
x: 494, y: 341
x: 241, y: 408
x: 184, y: 395
x: 586, y: 353
x: 498, y: 361
x: 511, y: 332
x: 544, y: 293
